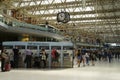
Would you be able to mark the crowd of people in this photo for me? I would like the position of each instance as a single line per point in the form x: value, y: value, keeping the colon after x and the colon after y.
x: 28, y: 59
x: 88, y: 56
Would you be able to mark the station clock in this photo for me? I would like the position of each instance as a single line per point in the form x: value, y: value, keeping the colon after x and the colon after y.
x: 63, y: 17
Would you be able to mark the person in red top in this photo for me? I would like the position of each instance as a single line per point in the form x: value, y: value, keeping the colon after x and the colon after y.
x: 54, y: 57
x: 53, y: 53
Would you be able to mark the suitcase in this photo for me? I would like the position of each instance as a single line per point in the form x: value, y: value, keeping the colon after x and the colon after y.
x: 7, y: 67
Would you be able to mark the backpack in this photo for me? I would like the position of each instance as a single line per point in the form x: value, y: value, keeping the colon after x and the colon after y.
x: 56, y: 54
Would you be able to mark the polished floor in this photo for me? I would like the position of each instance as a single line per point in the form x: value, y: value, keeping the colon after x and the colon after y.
x: 101, y: 71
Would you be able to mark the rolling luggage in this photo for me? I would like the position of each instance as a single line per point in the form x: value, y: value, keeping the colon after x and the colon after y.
x: 7, y: 67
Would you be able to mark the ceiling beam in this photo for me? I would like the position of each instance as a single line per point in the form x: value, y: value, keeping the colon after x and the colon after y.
x: 79, y: 13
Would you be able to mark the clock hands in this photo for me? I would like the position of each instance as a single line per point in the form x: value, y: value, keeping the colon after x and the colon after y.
x: 63, y: 17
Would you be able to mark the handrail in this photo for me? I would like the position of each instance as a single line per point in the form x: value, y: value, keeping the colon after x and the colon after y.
x: 16, y: 23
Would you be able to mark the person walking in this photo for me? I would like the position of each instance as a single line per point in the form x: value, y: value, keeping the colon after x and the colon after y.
x: 28, y: 58
x: 4, y: 58
x: 87, y: 58
x: 44, y: 57
x: 16, y: 56
x: 79, y: 57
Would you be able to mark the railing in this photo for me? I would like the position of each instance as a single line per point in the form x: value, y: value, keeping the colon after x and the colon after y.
x: 88, y: 44
x: 15, y: 23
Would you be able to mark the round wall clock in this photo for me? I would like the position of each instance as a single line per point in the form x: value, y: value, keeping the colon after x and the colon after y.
x: 63, y: 17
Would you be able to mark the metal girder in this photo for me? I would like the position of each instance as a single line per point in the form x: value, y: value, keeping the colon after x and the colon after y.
x: 105, y: 13
x: 91, y: 18
x: 55, y: 5
x: 81, y: 13
x: 92, y: 27
x: 82, y: 24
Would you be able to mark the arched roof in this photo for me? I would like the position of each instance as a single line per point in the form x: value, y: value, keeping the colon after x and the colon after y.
x: 91, y: 18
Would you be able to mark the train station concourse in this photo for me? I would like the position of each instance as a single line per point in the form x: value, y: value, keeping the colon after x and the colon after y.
x: 101, y: 71
x: 60, y: 39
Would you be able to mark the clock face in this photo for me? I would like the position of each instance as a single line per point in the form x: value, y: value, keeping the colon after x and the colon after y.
x: 61, y: 16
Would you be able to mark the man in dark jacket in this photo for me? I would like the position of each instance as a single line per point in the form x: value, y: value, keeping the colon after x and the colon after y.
x: 16, y: 56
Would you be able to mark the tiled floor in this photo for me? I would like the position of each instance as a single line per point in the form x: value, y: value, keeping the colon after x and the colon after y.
x: 101, y: 71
